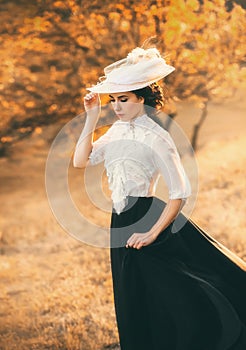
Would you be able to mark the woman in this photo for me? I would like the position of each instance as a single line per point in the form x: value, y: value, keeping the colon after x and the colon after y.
x: 172, y: 291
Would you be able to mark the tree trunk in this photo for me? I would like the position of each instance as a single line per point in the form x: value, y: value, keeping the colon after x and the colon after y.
x: 198, y: 126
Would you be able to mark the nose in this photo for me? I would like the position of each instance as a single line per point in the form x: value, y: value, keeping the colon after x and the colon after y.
x: 117, y: 106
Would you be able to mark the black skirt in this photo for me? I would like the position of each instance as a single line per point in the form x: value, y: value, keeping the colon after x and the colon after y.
x: 182, y: 292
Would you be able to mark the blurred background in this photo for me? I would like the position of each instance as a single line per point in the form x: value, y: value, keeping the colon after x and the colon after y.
x: 56, y: 292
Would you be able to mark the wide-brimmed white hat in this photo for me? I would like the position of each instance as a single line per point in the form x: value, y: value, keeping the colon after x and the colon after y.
x: 139, y: 69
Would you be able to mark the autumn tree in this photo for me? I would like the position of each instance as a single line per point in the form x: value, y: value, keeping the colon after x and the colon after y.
x: 51, y: 50
x: 206, y: 45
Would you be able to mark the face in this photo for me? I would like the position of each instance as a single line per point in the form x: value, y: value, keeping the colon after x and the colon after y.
x: 127, y: 105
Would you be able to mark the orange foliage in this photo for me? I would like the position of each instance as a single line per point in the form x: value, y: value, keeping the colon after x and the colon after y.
x: 50, y: 52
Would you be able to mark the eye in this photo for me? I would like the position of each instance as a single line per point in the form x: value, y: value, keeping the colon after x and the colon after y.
x: 123, y: 99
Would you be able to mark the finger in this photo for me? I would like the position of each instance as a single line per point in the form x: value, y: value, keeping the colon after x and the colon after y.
x: 131, y: 239
x: 143, y: 241
x: 132, y: 243
x: 135, y: 239
x: 90, y: 96
x: 87, y: 98
x: 139, y: 245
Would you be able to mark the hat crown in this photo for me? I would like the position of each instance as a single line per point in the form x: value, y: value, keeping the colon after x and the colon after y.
x: 135, y: 56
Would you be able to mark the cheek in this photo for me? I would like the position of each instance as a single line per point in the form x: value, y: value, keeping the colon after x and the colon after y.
x: 126, y: 107
x: 130, y: 108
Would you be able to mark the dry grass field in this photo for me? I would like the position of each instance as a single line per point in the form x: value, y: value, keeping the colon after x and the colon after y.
x: 56, y: 292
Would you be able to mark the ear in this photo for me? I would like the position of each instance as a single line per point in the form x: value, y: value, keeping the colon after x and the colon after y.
x: 141, y: 99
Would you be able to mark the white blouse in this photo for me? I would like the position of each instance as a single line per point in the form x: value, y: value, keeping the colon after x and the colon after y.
x: 135, y: 153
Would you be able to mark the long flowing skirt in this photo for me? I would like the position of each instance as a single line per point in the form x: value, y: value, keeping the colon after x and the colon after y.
x: 183, y: 292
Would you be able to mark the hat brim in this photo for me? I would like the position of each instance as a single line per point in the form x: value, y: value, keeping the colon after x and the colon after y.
x: 106, y: 87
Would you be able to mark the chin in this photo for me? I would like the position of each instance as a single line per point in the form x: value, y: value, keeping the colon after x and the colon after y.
x: 122, y: 117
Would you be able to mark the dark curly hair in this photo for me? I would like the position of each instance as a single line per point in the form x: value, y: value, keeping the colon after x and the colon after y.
x: 154, y: 98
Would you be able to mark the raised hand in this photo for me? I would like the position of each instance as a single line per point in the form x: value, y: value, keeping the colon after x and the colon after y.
x: 92, y: 105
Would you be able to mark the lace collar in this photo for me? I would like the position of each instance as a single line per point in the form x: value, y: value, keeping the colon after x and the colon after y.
x: 137, y: 120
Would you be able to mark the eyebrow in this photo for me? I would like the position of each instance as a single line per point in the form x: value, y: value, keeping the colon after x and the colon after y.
x: 118, y: 96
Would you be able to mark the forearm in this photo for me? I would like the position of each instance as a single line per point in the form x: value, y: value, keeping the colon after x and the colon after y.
x: 84, y: 145
x: 168, y: 215
x: 171, y: 210
x: 83, y: 148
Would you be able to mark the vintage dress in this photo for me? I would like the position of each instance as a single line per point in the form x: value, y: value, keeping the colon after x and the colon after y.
x: 184, y: 291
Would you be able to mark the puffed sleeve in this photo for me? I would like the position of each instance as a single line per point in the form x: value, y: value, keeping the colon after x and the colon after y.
x: 168, y: 163
x: 98, y: 148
